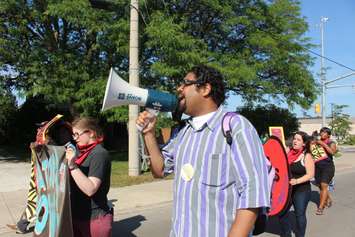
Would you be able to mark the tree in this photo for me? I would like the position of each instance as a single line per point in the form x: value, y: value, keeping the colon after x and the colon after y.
x: 259, y: 46
x: 262, y: 117
x: 340, y: 123
x: 8, y: 109
x: 63, y: 50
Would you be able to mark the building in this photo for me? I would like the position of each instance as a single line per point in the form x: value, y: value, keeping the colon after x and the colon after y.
x: 309, y: 125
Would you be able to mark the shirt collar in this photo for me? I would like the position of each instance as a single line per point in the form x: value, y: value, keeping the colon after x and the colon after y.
x: 213, y: 121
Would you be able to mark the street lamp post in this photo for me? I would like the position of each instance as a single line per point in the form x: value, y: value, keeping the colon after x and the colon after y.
x: 322, y: 73
x: 326, y: 83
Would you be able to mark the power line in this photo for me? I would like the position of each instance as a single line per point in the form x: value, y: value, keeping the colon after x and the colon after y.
x: 140, y: 13
x: 311, y: 51
x: 331, y: 60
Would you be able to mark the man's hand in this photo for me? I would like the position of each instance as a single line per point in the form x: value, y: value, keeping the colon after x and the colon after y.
x: 147, y: 121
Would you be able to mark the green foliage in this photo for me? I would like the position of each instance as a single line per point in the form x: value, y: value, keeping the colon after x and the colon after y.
x: 8, y: 109
x: 340, y: 123
x: 62, y: 50
x: 262, y: 117
x: 164, y: 121
x: 258, y: 46
x: 350, y: 140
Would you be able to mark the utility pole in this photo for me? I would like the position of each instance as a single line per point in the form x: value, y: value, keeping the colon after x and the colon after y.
x: 133, y: 139
x: 322, y: 70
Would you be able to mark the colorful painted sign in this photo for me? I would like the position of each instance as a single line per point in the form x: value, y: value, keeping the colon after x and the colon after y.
x: 53, y: 202
x: 281, y: 188
x: 277, y: 131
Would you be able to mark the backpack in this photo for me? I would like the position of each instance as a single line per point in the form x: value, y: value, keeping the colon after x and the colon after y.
x: 276, y: 161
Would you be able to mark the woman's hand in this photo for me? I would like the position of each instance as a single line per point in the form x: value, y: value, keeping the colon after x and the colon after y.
x: 293, y: 182
x: 321, y: 143
x: 70, y: 155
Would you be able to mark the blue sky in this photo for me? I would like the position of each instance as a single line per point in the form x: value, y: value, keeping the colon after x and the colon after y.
x: 339, y: 45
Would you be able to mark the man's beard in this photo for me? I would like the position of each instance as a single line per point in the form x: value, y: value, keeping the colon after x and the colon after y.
x: 180, y: 109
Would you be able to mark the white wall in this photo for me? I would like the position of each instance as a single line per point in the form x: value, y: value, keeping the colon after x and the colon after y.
x: 309, y: 125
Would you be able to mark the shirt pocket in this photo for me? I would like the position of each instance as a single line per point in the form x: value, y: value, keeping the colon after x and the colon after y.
x: 214, y: 171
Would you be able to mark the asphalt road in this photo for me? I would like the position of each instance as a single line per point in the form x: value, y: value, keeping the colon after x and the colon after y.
x: 339, y: 220
x: 154, y: 221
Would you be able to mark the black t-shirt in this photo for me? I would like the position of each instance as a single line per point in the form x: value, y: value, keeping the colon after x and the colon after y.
x: 97, y: 164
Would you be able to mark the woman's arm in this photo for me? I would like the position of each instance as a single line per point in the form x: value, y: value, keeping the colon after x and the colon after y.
x: 309, y: 165
x: 331, y: 149
x: 88, y: 185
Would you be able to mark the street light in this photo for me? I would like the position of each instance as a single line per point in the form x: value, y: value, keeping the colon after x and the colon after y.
x: 326, y: 83
x: 322, y: 73
x: 133, y: 139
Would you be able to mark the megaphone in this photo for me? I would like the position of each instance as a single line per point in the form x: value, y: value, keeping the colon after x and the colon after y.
x: 118, y: 92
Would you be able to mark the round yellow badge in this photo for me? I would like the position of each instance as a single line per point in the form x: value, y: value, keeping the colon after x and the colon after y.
x: 187, y: 172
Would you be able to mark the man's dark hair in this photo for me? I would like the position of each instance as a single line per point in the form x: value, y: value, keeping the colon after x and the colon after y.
x: 326, y: 130
x: 210, y: 75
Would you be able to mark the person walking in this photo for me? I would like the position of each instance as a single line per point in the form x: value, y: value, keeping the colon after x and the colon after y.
x: 325, y: 169
x: 218, y: 188
x: 302, y: 171
x: 90, y: 172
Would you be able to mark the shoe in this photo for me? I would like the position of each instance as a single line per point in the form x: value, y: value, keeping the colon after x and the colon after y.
x: 329, y: 204
x: 319, y: 211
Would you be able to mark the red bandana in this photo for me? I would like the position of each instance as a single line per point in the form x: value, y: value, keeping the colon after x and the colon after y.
x: 85, y: 150
x: 293, y: 154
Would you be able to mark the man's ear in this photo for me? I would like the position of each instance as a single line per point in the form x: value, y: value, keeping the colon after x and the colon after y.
x: 206, y: 89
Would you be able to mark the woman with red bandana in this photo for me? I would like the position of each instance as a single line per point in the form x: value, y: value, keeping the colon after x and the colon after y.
x: 325, y: 169
x: 90, y: 169
x: 302, y: 171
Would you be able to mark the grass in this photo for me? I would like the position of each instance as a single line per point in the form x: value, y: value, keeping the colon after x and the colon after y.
x: 119, y: 174
x: 120, y: 177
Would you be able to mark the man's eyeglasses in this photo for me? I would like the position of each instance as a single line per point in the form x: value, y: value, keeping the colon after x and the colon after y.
x: 77, y: 135
x: 186, y: 82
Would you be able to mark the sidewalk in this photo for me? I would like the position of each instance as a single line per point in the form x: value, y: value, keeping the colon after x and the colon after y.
x: 14, y: 182
x: 14, y: 178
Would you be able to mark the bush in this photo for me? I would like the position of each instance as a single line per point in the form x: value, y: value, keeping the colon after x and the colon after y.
x: 262, y: 117
x: 350, y: 140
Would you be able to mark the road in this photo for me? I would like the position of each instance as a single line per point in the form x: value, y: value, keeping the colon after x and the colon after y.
x: 147, y: 221
x: 337, y: 221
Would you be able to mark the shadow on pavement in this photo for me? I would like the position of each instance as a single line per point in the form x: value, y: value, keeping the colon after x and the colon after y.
x: 126, y: 227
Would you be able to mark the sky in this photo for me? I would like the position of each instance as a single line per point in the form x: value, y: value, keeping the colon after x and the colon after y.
x: 339, y: 46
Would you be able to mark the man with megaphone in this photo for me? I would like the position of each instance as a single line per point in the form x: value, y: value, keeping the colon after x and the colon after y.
x: 219, y: 187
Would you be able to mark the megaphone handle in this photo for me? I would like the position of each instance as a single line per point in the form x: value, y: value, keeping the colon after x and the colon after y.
x: 152, y: 113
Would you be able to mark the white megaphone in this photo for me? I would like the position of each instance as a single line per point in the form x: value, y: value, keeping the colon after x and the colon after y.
x: 118, y: 92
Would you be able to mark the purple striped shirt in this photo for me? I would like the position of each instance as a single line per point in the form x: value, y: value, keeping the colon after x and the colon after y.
x: 226, y: 178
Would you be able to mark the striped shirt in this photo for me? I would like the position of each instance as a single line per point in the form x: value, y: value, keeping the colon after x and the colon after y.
x: 225, y: 178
